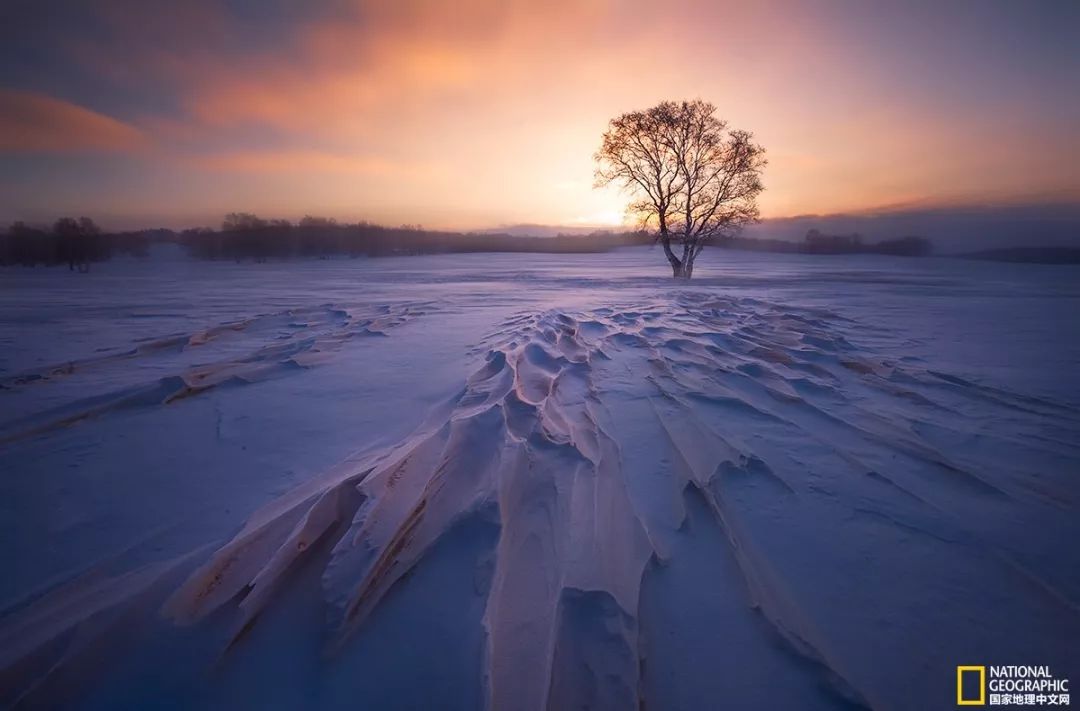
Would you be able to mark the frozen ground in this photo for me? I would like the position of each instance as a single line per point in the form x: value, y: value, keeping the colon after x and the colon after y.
x: 536, y: 481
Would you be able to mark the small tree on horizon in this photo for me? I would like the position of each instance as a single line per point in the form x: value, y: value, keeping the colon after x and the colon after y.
x: 243, y: 222
x: 78, y: 242
x: 690, y: 178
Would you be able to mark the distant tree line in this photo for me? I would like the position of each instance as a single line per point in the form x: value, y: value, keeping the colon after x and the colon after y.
x: 247, y: 236
x: 78, y: 243
x: 74, y: 242
x: 817, y: 242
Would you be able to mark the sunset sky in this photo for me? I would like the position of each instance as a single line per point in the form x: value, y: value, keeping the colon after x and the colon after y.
x: 471, y: 114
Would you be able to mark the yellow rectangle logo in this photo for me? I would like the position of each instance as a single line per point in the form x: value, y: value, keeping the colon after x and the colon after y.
x: 960, y: 700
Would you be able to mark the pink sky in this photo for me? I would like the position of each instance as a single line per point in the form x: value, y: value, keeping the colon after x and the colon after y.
x: 472, y: 113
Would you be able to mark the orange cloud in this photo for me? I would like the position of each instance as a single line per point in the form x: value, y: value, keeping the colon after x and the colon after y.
x: 300, y: 161
x: 37, y: 123
x: 482, y: 111
x: 354, y: 76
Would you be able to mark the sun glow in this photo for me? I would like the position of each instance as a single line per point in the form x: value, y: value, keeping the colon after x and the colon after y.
x: 484, y: 113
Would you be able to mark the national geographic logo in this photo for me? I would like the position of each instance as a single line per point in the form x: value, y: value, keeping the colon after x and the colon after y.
x: 1010, y: 686
x: 975, y: 677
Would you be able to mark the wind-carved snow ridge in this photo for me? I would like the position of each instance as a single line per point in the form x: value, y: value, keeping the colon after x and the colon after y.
x: 523, y: 445
x: 232, y: 353
x: 583, y: 435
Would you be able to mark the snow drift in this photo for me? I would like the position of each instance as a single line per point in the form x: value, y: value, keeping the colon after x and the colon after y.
x: 666, y: 500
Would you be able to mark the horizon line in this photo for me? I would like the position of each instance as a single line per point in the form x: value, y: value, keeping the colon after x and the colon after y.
x: 1058, y: 199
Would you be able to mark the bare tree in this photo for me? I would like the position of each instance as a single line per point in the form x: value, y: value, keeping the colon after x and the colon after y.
x: 689, y: 177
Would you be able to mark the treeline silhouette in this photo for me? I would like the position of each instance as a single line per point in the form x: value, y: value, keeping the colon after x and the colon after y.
x: 74, y: 242
x: 247, y: 236
x: 817, y: 242
x: 243, y: 236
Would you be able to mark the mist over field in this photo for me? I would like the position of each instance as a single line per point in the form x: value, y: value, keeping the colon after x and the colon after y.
x: 952, y: 229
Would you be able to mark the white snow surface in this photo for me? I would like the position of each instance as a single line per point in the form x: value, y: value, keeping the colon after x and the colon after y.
x: 536, y: 482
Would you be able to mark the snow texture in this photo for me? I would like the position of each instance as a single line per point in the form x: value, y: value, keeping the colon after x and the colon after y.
x: 543, y: 482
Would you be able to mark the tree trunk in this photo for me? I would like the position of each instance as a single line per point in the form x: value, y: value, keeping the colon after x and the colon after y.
x: 677, y: 266
x: 685, y: 268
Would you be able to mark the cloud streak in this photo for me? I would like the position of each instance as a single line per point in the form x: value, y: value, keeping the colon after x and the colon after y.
x: 31, y: 122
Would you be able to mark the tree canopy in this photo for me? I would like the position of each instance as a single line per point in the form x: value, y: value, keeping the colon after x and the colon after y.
x: 689, y: 176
